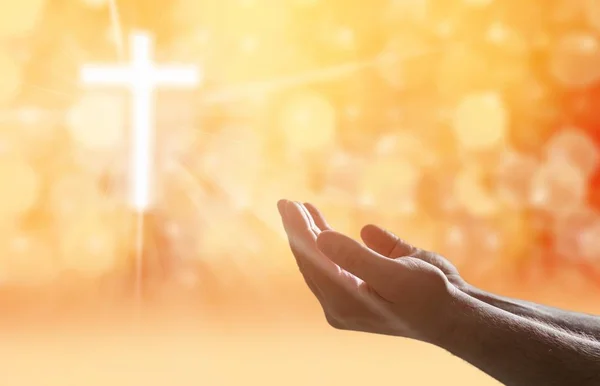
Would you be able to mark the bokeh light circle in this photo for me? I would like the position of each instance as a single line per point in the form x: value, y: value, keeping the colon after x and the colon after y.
x: 558, y: 187
x: 575, y: 59
x: 576, y: 147
x: 569, y: 232
x: 97, y: 121
x: 513, y: 178
x: 589, y: 242
x: 480, y: 121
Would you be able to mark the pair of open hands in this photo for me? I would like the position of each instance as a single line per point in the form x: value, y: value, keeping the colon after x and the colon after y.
x: 385, y: 286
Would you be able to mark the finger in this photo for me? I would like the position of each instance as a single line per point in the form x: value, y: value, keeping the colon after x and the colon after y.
x: 295, y: 231
x: 303, y: 241
x: 373, y: 268
x: 309, y: 218
x: 384, y: 242
x: 318, y: 217
x: 281, y: 206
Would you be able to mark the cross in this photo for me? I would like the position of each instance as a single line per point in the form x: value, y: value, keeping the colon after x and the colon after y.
x: 142, y: 77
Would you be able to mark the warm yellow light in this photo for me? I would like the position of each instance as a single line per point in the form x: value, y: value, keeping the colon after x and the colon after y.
x: 419, y: 230
x: 308, y: 121
x: 304, y: 3
x: 10, y: 76
x: 21, y: 188
x: 393, y: 64
x: 409, y: 146
x: 481, y: 121
x: 390, y: 185
x: 95, y: 3
x: 575, y: 59
x: 19, y: 17
x: 98, y: 121
x: 344, y: 38
x: 478, y: 3
x: 233, y: 161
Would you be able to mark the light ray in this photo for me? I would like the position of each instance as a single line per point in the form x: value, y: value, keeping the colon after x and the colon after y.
x: 325, y: 74
x: 117, y: 29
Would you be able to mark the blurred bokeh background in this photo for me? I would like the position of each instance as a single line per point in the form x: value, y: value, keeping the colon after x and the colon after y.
x: 469, y: 127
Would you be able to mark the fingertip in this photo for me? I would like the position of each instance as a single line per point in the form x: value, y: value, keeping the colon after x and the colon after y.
x: 370, y: 230
x: 310, y: 207
x: 281, y: 205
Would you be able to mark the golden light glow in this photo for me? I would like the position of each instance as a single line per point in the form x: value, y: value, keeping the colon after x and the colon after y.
x: 480, y: 121
x: 391, y: 64
x: 19, y: 17
x: 21, y: 188
x: 10, y: 76
x: 234, y: 160
x: 308, y: 121
x: 391, y: 184
x: 96, y: 4
x: 441, y: 125
x: 98, y: 121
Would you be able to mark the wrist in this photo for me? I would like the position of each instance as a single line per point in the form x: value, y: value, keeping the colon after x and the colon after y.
x: 448, y: 316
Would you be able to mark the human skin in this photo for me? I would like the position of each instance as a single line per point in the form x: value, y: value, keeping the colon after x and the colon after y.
x: 386, y: 286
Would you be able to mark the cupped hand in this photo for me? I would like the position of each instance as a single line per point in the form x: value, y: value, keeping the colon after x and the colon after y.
x: 380, y: 288
x: 393, y: 247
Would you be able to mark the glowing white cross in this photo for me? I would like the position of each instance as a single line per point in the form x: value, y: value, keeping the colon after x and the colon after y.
x: 142, y: 77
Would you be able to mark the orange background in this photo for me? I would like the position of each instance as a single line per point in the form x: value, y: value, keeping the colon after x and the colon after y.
x: 466, y: 126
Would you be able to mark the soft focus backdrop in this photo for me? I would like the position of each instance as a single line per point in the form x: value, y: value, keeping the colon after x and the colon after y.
x: 469, y: 127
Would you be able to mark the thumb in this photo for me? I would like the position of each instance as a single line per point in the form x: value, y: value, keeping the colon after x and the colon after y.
x: 357, y: 259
